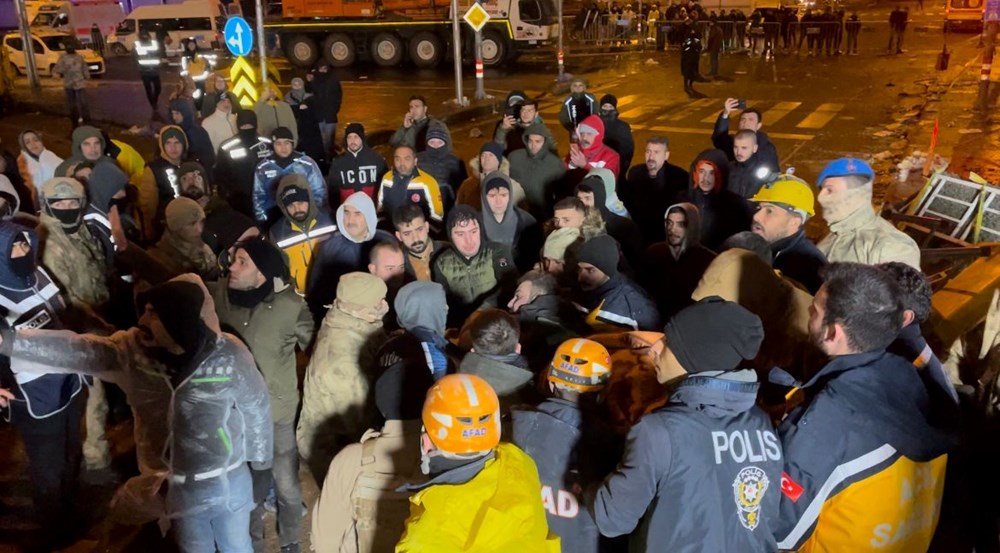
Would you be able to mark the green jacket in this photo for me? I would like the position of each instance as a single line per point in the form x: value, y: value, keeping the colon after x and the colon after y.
x: 271, y: 330
x: 537, y: 173
x: 487, y: 279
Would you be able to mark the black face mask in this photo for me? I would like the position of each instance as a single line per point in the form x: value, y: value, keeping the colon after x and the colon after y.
x: 609, y: 113
x: 23, y: 266
x: 68, y: 218
x: 122, y: 204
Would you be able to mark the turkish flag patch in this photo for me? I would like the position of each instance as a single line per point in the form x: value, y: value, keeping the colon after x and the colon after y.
x: 790, y: 488
x: 415, y: 198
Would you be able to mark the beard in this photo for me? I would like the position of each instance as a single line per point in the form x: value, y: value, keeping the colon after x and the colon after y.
x: 418, y: 247
x: 193, y: 193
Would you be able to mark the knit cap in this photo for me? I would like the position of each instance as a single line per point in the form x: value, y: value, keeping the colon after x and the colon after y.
x: 601, y: 252
x: 270, y: 261
x: 609, y: 99
x: 192, y: 167
x: 493, y: 148
x: 494, y: 180
x: 436, y: 131
x: 401, y: 390
x: 246, y: 117
x: 182, y: 212
x: 558, y: 242
x: 714, y: 335
x: 282, y: 133
x: 355, y: 128
x: 292, y: 194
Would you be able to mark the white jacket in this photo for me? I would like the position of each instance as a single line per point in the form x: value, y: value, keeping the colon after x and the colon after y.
x: 36, y: 171
x: 220, y: 127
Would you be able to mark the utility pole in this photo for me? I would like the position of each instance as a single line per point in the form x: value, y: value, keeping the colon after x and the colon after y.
x: 261, y: 46
x: 562, y: 29
x: 29, y: 48
x: 456, y: 47
x: 983, y: 98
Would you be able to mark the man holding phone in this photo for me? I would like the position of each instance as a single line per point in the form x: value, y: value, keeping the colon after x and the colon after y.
x: 750, y: 119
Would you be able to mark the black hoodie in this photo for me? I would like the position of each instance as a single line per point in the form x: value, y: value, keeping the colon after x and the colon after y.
x: 199, y: 144
x: 723, y: 213
x: 354, y: 172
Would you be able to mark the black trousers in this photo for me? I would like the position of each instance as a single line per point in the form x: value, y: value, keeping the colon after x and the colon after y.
x: 54, y: 449
x: 151, y: 82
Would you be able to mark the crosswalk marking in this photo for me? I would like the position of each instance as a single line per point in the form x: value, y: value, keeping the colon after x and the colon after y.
x: 820, y: 117
x: 778, y: 112
x: 638, y: 112
x: 689, y: 109
x: 708, y: 132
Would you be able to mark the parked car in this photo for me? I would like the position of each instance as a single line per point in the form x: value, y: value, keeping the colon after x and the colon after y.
x: 48, y: 46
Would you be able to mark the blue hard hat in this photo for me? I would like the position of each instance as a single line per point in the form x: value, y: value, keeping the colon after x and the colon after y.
x: 844, y: 167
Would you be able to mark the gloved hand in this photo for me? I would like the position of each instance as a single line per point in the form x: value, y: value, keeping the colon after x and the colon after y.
x: 262, y: 465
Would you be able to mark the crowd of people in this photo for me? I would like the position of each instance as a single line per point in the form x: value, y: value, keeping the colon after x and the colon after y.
x: 546, y: 348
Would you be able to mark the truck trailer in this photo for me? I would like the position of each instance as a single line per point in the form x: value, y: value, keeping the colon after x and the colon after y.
x: 388, y: 32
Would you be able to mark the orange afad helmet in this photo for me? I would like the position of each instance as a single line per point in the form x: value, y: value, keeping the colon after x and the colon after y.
x: 462, y: 414
x: 580, y: 364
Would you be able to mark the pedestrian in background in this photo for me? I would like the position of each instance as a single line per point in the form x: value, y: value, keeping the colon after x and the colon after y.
x: 853, y: 27
x: 149, y: 54
x: 97, y: 42
x: 714, y: 47
x: 73, y: 70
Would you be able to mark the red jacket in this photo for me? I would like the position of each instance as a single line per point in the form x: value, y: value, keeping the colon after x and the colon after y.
x: 598, y: 155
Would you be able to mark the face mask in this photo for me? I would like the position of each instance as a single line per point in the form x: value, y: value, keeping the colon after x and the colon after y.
x: 608, y: 113
x: 23, y: 266
x: 122, y: 204
x: 68, y: 218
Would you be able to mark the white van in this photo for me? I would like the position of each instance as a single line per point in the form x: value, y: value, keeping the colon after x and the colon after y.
x: 201, y: 19
x: 76, y: 18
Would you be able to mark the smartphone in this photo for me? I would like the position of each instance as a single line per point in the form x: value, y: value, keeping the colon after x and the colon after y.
x: 741, y: 104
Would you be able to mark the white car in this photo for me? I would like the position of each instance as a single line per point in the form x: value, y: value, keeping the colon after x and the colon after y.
x: 48, y: 46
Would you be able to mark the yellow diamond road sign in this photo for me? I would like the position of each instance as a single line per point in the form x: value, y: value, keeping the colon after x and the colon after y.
x: 476, y: 17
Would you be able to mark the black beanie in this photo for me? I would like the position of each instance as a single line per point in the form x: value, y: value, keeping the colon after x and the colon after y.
x: 246, y: 117
x: 270, y: 261
x: 493, y: 148
x: 282, y: 133
x: 292, y: 194
x: 178, y: 305
x: 714, y: 335
x: 401, y: 390
x: 355, y: 128
x: 609, y: 99
x: 495, y: 182
x: 191, y: 167
x: 601, y: 252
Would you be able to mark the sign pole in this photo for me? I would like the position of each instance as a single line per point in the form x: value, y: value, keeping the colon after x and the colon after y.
x: 480, y: 88
x: 562, y: 69
x: 29, y: 48
x: 456, y: 48
x: 261, y: 47
x: 982, y: 98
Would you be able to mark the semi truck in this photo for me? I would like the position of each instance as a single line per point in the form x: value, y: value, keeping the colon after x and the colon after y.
x: 388, y: 32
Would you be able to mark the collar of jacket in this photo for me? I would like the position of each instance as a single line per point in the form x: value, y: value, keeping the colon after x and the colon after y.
x: 564, y: 411
x: 303, y: 228
x: 787, y: 243
x: 397, y: 428
x: 842, y: 364
x: 861, y: 218
x: 455, y: 476
x: 717, y: 396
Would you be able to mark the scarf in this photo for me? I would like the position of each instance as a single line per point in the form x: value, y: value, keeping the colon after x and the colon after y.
x: 197, y: 256
x: 250, y: 298
x: 504, y: 232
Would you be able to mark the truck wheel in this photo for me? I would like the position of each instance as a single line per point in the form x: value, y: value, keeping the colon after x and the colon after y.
x: 339, y: 50
x: 494, y: 49
x: 302, y: 51
x: 426, y: 49
x: 387, y: 49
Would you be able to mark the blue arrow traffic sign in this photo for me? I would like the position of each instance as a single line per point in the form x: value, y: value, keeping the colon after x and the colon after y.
x: 238, y: 36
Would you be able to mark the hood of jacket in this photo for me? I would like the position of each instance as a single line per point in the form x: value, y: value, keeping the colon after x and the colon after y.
x: 718, y: 159
x: 422, y: 304
x: 83, y: 133
x: 7, y: 187
x: 172, y: 131
x: 299, y: 181
x: 609, y: 198
x: 597, y: 124
x: 20, y: 143
x: 363, y: 203
x: 435, y: 124
x: 9, y: 231
x: 693, y: 236
x: 186, y: 110
x: 478, y: 171
x: 723, y: 395
x: 106, y: 181
x: 538, y: 128
x: 482, y: 193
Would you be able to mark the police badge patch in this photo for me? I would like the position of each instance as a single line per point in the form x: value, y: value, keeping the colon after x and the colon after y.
x: 748, y: 491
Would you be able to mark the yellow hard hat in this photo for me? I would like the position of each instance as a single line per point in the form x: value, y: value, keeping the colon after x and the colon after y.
x: 789, y: 191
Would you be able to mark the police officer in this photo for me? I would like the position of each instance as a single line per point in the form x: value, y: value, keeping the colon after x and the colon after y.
x: 237, y: 161
x: 566, y: 443
x: 704, y: 472
x: 149, y: 54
